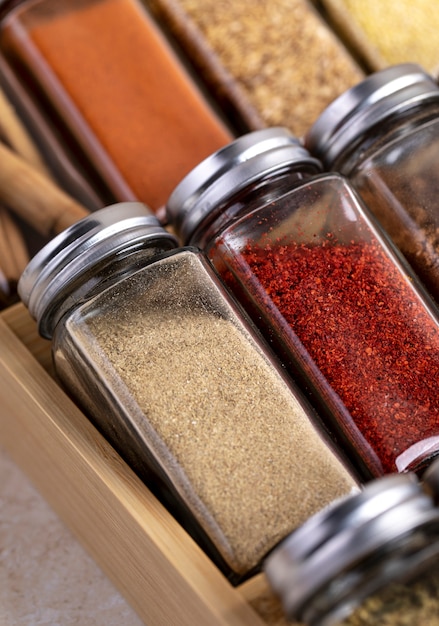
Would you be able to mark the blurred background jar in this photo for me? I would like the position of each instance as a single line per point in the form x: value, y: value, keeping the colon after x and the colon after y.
x: 383, y: 134
x: 327, y: 288
x: 101, y: 86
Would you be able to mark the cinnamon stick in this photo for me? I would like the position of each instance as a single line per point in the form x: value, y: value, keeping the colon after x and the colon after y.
x: 27, y: 189
x: 16, y: 135
x: 5, y: 291
x: 34, y: 197
x: 13, y: 252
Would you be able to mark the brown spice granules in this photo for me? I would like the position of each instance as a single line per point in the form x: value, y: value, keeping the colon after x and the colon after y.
x: 223, y: 423
x: 281, y: 54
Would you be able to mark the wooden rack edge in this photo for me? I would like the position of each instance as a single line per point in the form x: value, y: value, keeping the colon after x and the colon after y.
x: 152, y: 561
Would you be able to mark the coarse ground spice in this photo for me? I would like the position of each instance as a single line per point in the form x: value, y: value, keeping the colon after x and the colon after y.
x: 280, y: 56
x: 123, y: 90
x: 385, y: 32
x: 402, y: 604
x: 361, y: 324
x: 231, y: 436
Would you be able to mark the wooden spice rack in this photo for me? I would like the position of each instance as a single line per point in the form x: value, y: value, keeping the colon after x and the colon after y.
x: 151, y: 560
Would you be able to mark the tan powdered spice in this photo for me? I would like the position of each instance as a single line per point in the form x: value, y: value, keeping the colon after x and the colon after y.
x: 281, y: 57
x: 223, y: 422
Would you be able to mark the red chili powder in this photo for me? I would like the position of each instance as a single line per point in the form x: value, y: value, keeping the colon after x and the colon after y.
x: 129, y: 86
x: 360, y: 322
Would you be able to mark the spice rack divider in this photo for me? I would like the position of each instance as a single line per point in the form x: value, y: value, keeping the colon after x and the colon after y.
x: 151, y: 560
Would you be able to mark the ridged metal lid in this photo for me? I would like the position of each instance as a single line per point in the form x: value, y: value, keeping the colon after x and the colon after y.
x: 114, y: 230
x: 320, y: 570
x: 229, y: 170
x: 394, y: 89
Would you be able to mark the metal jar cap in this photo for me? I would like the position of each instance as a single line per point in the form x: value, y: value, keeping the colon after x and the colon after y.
x: 394, y: 89
x: 229, y: 170
x: 319, y: 570
x: 114, y: 230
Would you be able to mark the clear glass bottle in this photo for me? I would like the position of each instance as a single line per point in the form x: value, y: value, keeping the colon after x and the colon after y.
x: 110, y: 92
x: 338, y: 303
x: 383, y: 134
x: 170, y: 370
x: 367, y: 560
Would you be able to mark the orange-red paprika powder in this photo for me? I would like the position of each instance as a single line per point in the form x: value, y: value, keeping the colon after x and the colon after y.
x: 344, y: 312
x: 349, y: 307
x: 120, y: 89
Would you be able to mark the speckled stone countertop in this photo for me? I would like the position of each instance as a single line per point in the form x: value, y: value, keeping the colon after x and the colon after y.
x: 46, y: 578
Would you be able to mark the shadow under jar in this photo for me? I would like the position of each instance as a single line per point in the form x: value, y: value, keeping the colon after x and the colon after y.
x: 147, y: 339
x: 338, y: 303
x: 383, y: 134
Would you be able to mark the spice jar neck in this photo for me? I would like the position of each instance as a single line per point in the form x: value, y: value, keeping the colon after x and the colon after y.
x: 266, y: 189
x: 93, y: 282
x: 252, y: 163
x: 385, y: 94
x: 382, y: 134
x: 89, y: 256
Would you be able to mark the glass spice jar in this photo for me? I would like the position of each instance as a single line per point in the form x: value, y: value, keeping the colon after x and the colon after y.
x: 383, y: 134
x: 111, y: 93
x: 169, y: 369
x: 337, y: 302
x: 284, y: 79
x: 369, y: 559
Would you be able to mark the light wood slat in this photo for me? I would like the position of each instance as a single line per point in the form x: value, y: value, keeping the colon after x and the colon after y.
x: 160, y: 571
x: 258, y: 594
x: 18, y: 318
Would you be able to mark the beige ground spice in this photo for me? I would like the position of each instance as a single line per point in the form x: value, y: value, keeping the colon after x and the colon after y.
x: 283, y: 58
x: 226, y: 428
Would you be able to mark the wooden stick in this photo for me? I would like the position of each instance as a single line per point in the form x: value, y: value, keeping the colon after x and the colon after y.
x: 33, y: 196
x: 16, y: 135
x: 13, y: 257
x: 7, y: 262
x: 13, y: 252
x: 4, y: 290
x: 26, y: 188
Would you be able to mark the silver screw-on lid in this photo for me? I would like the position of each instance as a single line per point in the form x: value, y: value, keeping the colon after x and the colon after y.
x: 229, y: 170
x: 384, y: 93
x: 319, y: 571
x: 111, y: 231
